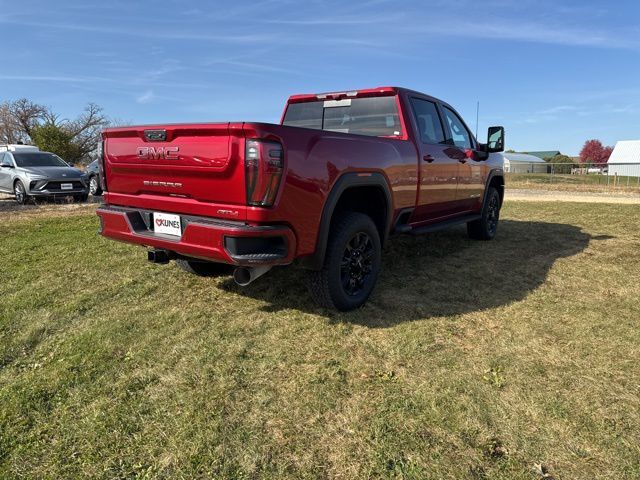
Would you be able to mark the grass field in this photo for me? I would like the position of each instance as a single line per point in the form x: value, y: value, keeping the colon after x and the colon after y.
x: 574, y: 183
x: 512, y: 359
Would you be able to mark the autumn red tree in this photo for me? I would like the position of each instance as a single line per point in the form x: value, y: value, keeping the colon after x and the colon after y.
x: 595, y: 153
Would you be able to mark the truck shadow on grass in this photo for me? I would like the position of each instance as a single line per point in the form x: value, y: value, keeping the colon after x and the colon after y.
x: 439, y: 274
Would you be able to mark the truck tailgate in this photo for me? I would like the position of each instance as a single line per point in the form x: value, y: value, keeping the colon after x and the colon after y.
x: 196, y: 161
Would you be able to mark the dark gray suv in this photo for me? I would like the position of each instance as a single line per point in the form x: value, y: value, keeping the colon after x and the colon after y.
x: 93, y: 174
x: 28, y: 173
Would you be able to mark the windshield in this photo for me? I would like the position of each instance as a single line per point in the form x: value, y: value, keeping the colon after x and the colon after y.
x: 373, y: 116
x: 38, y: 159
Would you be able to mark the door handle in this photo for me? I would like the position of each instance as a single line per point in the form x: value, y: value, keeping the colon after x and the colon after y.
x: 428, y: 158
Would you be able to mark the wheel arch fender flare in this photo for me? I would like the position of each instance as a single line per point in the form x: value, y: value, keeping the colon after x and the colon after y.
x: 342, y: 184
x: 497, y: 174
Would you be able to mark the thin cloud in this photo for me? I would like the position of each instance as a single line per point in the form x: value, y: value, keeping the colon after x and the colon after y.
x: 558, y: 109
x: 160, y: 34
x: 359, y: 20
x: 46, y: 78
x: 255, y: 66
x: 535, y: 32
x: 146, y: 97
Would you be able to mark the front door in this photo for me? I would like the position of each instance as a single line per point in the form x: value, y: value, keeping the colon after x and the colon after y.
x: 438, y: 173
x: 470, y: 173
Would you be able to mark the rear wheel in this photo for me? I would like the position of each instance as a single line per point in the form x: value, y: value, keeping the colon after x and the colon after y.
x: 486, y: 227
x: 351, y: 265
x: 94, y: 186
x: 20, y: 192
x: 204, y: 269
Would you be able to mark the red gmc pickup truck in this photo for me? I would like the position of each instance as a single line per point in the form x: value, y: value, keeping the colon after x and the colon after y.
x: 324, y: 189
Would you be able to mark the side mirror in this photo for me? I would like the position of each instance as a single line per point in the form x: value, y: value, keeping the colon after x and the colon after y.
x: 495, y: 139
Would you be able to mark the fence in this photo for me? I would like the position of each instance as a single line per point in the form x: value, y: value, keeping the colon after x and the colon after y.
x: 612, y: 176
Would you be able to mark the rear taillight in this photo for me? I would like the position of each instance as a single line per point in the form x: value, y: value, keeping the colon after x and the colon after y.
x: 263, y: 162
x: 101, y: 169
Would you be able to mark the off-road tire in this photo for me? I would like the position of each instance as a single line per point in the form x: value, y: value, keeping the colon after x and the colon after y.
x: 327, y: 285
x: 486, y: 227
x: 204, y: 269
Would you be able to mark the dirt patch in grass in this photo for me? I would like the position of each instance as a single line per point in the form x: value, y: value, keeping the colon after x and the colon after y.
x: 575, y: 183
x: 545, y: 195
x: 60, y: 207
x: 510, y: 359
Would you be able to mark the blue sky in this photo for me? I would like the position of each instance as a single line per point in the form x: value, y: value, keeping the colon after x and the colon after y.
x: 555, y: 73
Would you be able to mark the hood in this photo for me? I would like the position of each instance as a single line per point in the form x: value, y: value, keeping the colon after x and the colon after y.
x: 54, y: 172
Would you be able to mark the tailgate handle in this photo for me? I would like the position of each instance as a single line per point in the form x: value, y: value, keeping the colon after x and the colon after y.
x: 155, y: 135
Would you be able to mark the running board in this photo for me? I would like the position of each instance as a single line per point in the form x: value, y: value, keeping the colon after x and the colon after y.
x: 434, y: 227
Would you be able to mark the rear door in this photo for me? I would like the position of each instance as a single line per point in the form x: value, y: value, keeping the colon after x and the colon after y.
x: 200, y: 162
x: 438, y: 172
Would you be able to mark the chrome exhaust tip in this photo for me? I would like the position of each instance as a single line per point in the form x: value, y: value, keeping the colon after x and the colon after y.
x: 243, y: 276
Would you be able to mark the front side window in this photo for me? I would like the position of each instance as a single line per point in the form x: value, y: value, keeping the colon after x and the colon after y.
x: 459, y: 133
x: 428, y: 119
x: 372, y: 116
x: 38, y: 159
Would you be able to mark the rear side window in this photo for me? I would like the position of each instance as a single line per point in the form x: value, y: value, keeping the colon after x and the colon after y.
x: 304, y: 115
x: 372, y: 116
x: 459, y: 133
x: 428, y: 119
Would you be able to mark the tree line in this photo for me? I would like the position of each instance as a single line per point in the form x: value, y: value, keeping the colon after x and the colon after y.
x: 74, y: 140
x: 593, y: 153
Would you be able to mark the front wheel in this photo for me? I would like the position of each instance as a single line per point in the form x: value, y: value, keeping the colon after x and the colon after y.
x: 20, y: 192
x: 486, y: 227
x: 94, y: 186
x: 351, y: 266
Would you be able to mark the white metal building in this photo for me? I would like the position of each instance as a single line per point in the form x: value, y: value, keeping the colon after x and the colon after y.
x: 625, y: 159
x: 524, y: 163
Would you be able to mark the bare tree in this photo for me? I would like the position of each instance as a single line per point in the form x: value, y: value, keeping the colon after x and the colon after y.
x: 22, y: 121
x: 85, y: 130
x: 11, y: 129
x: 27, y: 115
x: 8, y: 127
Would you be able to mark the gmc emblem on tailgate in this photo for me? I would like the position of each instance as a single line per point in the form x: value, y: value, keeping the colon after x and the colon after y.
x: 158, y: 153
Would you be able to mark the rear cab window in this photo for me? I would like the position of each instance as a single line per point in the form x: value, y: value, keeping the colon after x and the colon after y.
x: 428, y: 121
x: 371, y: 116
